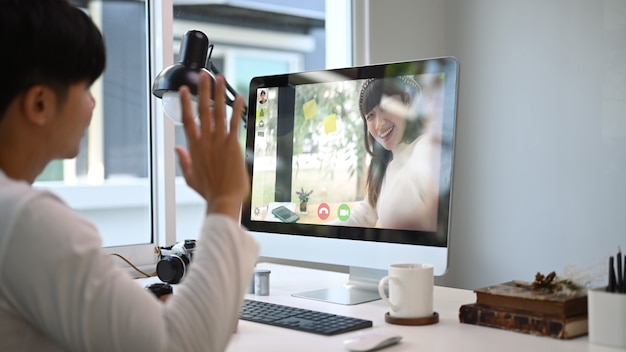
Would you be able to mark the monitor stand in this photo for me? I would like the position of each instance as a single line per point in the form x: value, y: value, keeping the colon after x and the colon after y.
x: 362, y: 286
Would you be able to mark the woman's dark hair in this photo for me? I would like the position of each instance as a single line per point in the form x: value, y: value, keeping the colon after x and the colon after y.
x: 372, y: 90
x: 47, y: 42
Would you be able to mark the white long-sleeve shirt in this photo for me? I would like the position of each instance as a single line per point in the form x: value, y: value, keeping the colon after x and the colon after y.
x: 409, y: 191
x: 60, y: 292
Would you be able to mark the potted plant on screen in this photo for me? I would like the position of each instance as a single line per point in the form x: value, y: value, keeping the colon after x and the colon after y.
x: 303, y: 196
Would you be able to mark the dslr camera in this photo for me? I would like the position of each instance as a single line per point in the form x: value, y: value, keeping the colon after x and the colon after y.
x: 174, y: 261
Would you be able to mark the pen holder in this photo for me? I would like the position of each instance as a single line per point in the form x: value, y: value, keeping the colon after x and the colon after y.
x: 607, y: 318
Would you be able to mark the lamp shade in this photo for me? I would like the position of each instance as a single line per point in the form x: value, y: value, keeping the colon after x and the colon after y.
x: 193, y: 59
x: 193, y: 55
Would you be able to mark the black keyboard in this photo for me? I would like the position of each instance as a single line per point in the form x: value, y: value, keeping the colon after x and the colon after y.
x: 300, y: 319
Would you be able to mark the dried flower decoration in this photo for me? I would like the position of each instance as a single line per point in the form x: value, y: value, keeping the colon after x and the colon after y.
x: 552, y: 283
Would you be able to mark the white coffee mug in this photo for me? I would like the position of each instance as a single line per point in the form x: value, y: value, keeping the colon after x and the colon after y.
x: 410, y: 290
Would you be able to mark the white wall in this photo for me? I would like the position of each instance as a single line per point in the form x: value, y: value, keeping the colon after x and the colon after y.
x: 540, y: 158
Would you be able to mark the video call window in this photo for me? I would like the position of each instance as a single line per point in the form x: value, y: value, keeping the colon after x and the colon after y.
x: 328, y: 160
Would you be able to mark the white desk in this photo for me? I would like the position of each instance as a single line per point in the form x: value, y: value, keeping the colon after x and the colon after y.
x: 447, y: 335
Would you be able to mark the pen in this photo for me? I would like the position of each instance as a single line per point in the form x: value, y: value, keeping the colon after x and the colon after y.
x: 611, y: 286
x: 620, y: 273
x: 624, y: 277
x: 624, y: 274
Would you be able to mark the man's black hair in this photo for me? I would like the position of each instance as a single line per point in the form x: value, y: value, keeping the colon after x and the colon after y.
x: 47, y: 42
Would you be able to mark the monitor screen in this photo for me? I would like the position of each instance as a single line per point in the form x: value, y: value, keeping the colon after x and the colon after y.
x: 353, y: 166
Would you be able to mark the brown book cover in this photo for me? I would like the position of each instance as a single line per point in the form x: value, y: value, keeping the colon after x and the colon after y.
x: 524, y: 322
x: 512, y: 296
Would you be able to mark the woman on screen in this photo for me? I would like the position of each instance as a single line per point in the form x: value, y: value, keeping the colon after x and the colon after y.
x: 402, y: 180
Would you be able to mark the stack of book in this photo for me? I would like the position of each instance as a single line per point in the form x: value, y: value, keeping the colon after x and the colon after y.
x: 522, y: 309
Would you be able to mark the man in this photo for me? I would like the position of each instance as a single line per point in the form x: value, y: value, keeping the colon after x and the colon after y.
x: 59, y: 290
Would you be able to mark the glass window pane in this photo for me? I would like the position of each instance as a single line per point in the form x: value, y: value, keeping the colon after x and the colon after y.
x: 109, y: 181
x: 280, y: 36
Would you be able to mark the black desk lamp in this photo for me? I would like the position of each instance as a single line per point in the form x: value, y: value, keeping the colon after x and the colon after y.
x: 193, y: 58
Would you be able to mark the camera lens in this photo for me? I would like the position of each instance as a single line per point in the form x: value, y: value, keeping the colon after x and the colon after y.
x: 171, y: 269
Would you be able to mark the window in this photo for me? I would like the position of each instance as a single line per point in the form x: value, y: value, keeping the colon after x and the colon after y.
x: 121, y: 179
x: 109, y: 181
x: 251, y: 40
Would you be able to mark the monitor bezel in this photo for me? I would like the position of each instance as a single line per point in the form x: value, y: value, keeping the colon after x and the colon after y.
x: 438, y: 238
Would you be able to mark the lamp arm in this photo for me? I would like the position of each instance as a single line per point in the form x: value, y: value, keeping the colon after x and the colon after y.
x: 230, y: 100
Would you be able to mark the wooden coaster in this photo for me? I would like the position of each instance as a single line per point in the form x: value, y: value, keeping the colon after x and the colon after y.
x: 432, y: 319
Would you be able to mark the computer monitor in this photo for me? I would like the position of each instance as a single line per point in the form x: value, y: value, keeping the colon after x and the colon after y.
x: 369, y: 150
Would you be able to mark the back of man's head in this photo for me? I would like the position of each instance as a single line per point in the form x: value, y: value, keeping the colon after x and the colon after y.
x: 47, y: 42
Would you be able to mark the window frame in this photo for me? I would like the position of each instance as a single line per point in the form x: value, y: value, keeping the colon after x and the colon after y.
x: 164, y: 185
x: 162, y: 166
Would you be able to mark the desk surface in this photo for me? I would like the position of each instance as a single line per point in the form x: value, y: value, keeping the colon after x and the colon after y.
x: 447, y: 335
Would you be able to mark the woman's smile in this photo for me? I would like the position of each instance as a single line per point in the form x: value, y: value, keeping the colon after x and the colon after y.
x: 385, y: 133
